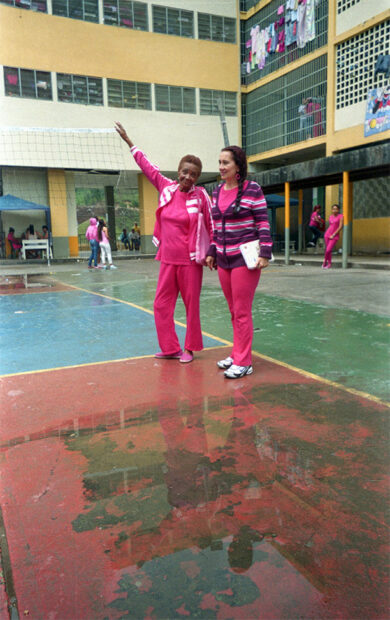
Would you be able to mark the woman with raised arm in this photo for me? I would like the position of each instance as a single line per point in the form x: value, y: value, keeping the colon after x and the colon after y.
x: 239, y: 213
x: 175, y: 237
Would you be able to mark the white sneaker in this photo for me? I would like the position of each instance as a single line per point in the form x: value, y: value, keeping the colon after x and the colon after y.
x: 226, y: 363
x: 113, y: 267
x: 235, y: 372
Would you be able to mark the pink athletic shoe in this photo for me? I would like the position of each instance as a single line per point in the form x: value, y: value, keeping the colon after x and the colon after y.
x: 187, y: 357
x: 163, y: 356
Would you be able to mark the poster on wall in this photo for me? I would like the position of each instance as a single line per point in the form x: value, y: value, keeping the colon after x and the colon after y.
x: 377, y: 111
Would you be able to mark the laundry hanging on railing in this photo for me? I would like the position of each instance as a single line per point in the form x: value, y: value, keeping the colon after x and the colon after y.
x: 295, y: 25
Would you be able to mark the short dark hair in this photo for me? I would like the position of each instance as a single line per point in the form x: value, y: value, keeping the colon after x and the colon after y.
x: 191, y: 159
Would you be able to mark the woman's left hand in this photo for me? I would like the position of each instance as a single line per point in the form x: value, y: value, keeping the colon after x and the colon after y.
x: 262, y: 263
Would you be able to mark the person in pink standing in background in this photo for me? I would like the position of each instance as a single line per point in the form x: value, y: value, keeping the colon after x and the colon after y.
x: 332, y: 235
x: 175, y: 237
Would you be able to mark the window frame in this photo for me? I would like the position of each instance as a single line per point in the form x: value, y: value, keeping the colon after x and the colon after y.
x: 36, y: 79
x: 89, y: 86
x: 168, y: 15
x: 128, y: 83
x: 212, y: 26
x: 82, y: 8
x: 173, y: 91
x: 214, y: 108
x: 133, y: 6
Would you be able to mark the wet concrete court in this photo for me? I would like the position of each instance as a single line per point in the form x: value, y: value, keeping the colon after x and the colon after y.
x: 139, y: 488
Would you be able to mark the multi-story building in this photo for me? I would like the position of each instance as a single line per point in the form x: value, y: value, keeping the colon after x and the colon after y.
x: 168, y: 71
x: 311, y: 70
x: 296, y: 82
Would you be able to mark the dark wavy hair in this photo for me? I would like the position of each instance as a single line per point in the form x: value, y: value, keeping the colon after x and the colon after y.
x: 239, y: 157
x: 192, y: 159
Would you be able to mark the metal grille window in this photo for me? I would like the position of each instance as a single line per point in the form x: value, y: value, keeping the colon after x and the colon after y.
x: 173, y: 21
x: 175, y: 99
x: 216, y: 28
x: 209, y: 102
x: 33, y: 5
x: 79, y: 89
x: 355, y: 64
x: 274, y: 61
x: 126, y: 13
x: 344, y: 5
x: 245, y: 5
x: 87, y: 10
x: 27, y: 83
x: 123, y: 94
x: 274, y: 116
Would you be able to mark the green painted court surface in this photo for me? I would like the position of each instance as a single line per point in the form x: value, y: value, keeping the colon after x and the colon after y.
x: 323, y: 336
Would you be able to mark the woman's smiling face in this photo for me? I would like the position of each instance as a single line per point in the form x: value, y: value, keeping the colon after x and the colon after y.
x: 227, y: 166
x: 187, y: 176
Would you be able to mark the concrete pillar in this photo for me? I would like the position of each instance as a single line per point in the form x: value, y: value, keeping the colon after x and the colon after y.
x: 287, y: 223
x: 56, y: 183
x: 346, y: 214
x: 148, y: 202
x: 300, y: 220
x: 110, y: 204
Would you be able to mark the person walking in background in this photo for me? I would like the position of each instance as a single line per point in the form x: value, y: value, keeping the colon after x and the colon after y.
x: 332, y: 235
x: 175, y: 237
x: 239, y: 212
x: 92, y: 235
x: 316, y: 225
x: 104, y: 244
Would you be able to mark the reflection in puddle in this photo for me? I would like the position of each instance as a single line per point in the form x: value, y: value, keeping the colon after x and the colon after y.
x: 24, y: 281
x: 226, y: 508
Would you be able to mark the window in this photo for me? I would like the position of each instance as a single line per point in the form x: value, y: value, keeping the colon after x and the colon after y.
x: 175, y: 99
x: 344, y: 5
x: 126, y: 13
x: 216, y: 28
x: 27, y: 83
x: 355, y: 64
x: 79, y: 89
x: 173, y: 21
x: 129, y: 94
x: 209, y: 102
x: 34, y: 5
x: 87, y: 10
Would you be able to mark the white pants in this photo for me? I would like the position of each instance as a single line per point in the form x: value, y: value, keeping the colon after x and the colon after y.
x: 105, y: 248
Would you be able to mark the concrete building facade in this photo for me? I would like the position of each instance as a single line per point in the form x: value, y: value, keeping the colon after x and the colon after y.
x: 69, y: 70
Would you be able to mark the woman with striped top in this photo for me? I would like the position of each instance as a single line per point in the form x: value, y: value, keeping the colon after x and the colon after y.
x: 175, y: 237
x: 239, y: 213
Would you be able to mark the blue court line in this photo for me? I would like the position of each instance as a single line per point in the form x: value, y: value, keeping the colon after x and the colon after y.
x: 53, y: 330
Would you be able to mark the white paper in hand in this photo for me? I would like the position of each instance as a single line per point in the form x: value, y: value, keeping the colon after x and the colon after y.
x: 250, y: 252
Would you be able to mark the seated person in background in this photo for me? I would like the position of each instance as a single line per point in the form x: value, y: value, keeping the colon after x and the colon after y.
x: 45, y: 233
x: 31, y: 235
x: 13, y: 241
x: 132, y: 239
x: 124, y: 239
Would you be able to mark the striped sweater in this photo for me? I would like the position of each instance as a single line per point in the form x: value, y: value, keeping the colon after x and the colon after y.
x: 230, y: 230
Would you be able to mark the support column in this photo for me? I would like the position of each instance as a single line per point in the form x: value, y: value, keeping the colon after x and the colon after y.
x: 300, y: 220
x: 56, y: 183
x: 346, y: 214
x: 287, y: 223
x: 110, y: 204
x: 148, y: 202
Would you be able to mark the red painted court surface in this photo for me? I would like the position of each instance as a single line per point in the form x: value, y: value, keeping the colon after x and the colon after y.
x: 150, y: 489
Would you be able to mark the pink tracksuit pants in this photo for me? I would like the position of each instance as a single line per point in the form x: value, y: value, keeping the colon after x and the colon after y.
x: 172, y: 280
x: 329, y: 245
x: 239, y: 286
